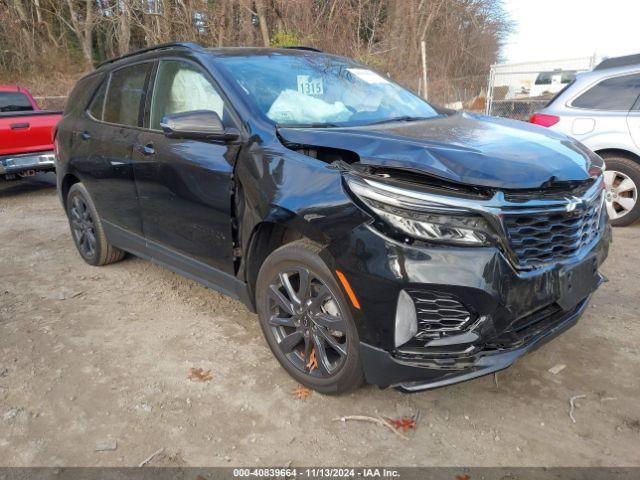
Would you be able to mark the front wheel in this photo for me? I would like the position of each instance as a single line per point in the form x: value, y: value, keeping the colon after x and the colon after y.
x: 622, y: 179
x: 306, y: 320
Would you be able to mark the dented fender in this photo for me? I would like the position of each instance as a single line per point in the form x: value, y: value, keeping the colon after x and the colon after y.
x: 282, y: 187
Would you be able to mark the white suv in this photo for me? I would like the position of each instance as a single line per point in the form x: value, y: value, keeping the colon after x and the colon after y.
x: 601, y: 109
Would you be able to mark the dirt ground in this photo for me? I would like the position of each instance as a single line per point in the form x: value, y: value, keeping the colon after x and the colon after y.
x: 93, y: 355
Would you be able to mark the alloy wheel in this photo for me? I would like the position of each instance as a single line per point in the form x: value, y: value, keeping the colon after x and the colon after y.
x: 621, y: 194
x: 82, y: 226
x: 305, y: 319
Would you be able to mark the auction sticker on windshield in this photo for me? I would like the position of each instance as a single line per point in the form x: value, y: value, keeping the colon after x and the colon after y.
x: 310, y: 86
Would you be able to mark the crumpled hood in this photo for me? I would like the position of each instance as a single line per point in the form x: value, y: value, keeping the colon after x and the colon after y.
x: 465, y: 148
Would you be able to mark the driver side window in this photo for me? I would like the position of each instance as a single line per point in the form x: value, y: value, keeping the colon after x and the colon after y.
x: 182, y: 87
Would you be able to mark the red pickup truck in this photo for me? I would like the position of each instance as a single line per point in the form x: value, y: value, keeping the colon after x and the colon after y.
x: 26, y: 134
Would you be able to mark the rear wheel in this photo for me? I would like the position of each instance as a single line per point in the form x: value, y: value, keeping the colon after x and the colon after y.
x: 622, y: 180
x: 86, y: 229
x: 306, y: 320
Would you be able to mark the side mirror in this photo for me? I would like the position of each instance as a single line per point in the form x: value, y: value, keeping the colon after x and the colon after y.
x: 197, y: 124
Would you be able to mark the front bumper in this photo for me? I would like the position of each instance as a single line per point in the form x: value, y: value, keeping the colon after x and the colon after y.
x: 381, y: 368
x: 513, y: 311
x: 27, y: 162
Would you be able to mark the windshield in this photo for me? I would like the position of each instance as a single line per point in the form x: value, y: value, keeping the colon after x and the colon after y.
x: 321, y: 90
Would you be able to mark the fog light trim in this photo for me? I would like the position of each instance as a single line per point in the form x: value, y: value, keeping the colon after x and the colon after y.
x: 406, y: 319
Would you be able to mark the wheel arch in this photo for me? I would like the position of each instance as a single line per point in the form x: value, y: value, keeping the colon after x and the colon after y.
x: 619, y: 152
x: 65, y: 185
x: 266, y: 237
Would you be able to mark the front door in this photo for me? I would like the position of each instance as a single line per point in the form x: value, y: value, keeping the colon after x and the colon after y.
x: 184, y: 186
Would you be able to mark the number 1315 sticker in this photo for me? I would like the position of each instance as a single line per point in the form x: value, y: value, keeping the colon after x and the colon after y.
x: 309, y: 86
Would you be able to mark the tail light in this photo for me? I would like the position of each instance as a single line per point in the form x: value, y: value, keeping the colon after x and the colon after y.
x: 544, y: 120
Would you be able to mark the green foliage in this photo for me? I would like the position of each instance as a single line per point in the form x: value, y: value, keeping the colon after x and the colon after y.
x: 283, y: 39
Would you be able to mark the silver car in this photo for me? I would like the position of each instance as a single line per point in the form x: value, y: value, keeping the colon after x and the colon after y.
x: 601, y: 109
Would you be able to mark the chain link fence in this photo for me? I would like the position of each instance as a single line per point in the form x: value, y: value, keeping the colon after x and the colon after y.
x: 462, y: 93
x: 520, y: 89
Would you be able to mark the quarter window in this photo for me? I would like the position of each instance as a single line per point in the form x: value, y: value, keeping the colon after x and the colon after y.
x: 619, y: 93
x: 97, y: 104
x: 124, y: 104
x: 181, y: 87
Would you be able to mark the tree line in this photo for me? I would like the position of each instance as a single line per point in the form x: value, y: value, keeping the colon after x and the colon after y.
x: 68, y: 37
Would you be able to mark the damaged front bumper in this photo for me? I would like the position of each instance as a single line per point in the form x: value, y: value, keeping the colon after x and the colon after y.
x: 501, y: 312
x: 384, y: 369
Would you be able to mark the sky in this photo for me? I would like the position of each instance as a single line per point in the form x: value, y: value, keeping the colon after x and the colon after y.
x: 559, y: 29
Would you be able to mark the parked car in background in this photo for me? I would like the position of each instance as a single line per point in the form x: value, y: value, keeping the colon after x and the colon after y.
x: 601, y: 109
x: 26, y: 134
x: 377, y: 237
x: 549, y: 83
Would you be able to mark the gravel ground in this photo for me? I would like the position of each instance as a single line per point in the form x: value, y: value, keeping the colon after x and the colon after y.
x: 99, y: 357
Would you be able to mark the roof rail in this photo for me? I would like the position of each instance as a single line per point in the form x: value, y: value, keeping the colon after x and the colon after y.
x: 615, y: 62
x: 162, y: 46
x: 303, y: 47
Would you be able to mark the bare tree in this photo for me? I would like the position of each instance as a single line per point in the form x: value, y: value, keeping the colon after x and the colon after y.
x: 462, y: 37
x: 262, y: 20
x: 82, y: 22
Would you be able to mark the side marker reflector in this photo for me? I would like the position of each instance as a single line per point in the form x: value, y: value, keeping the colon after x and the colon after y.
x: 348, y: 289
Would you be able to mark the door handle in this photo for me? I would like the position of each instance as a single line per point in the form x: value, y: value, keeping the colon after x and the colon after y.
x: 85, y: 135
x: 18, y: 126
x: 146, y: 149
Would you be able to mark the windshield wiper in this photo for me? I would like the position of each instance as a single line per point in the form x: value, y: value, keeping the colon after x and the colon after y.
x: 403, y: 118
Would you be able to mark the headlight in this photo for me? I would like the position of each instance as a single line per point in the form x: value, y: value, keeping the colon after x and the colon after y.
x: 419, y: 218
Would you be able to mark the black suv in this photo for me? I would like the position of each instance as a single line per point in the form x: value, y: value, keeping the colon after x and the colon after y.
x: 377, y: 237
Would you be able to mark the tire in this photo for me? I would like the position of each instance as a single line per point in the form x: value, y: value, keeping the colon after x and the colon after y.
x: 87, y: 230
x: 338, y: 367
x: 619, y: 170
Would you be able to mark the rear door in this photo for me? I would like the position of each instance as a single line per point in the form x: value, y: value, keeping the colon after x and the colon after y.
x: 185, y: 185
x: 103, y: 145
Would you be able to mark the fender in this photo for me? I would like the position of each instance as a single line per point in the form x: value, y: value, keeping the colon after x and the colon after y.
x: 282, y: 194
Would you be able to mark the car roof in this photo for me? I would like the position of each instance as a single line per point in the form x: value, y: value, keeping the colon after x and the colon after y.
x: 584, y: 81
x: 250, y: 51
x: 614, y: 62
x: 217, y: 52
x: 608, y: 72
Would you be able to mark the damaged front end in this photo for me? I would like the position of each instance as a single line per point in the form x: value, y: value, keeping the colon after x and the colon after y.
x: 460, y: 265
x: 458, y: 282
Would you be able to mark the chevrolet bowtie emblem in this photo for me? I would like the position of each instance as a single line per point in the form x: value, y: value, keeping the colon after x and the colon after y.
x: 573, y: 203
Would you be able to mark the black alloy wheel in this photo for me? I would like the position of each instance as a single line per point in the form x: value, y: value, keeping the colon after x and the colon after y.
x: 87, y: 229
x: 306, y: 322
x: 306, y: 319
x: 82, y: 226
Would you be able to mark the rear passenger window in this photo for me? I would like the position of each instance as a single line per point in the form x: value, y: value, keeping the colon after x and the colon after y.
x: 125, y: 97
x: 619, y: 93
x: 97, y: 104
